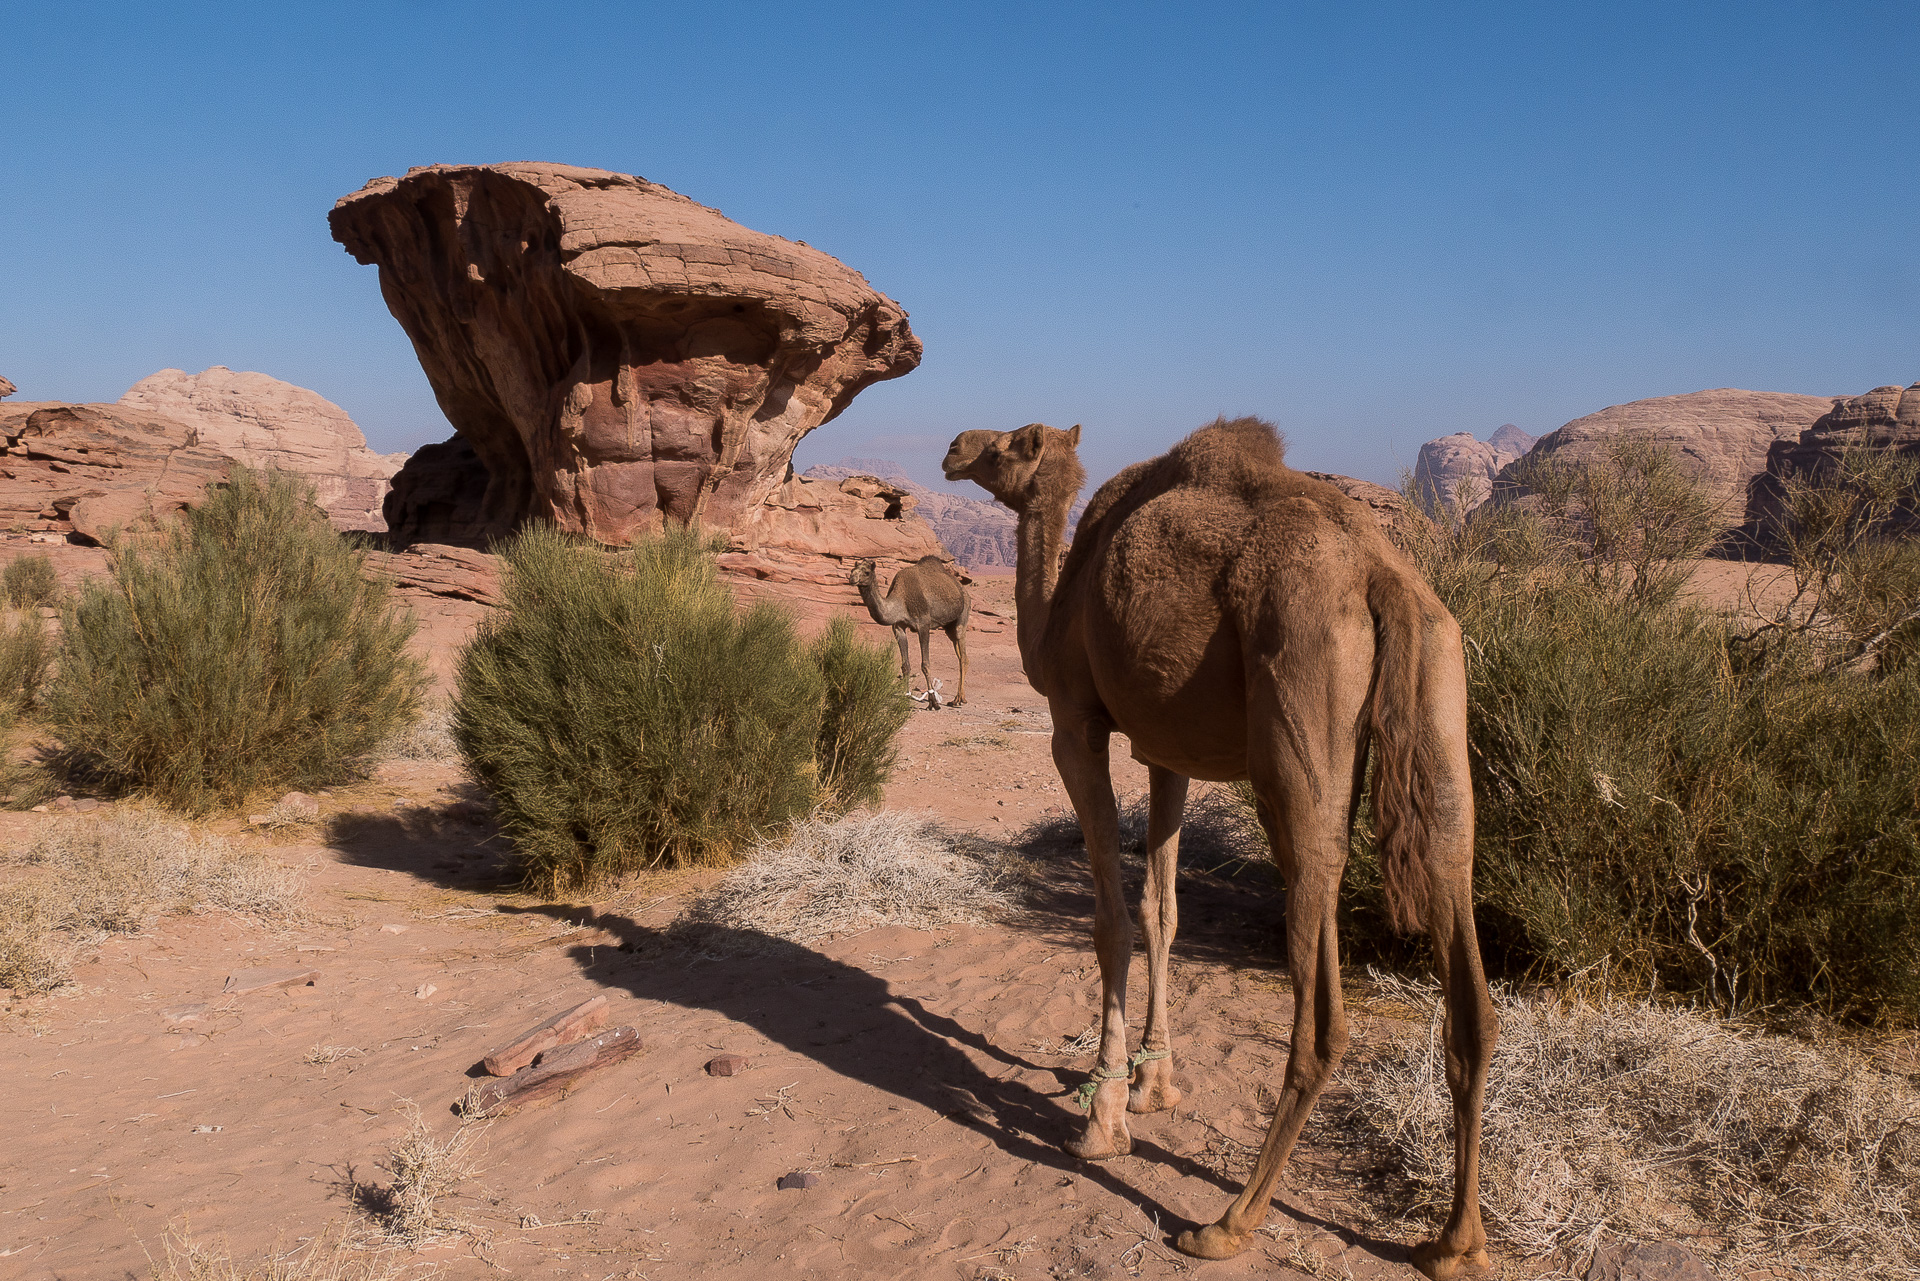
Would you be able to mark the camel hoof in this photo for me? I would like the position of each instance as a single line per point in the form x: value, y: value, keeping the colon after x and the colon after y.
x: 1436, y: 1261
x: 1099, y: 1144
x: 1153, y: 1098
x: 958, y: 702
x: 1210, y: 1242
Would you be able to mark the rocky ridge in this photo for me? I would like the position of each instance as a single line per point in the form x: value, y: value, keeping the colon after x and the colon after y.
x: 1444, y: 465
x: 1886, y: 418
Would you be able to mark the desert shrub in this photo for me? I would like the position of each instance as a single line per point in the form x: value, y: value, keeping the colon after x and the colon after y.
x: 246, y: 649
x: 90, y: 877
x: 624, y: 714
x: 29, y: 581
x: 25, y: 656
x: 861, y: 714
x: 1655, y: 800
x: 1626, y: 1119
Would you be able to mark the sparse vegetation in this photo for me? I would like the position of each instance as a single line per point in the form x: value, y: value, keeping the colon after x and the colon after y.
x: 425, y: 1172
x: 1627, y: 1119
x: 29, y: 581
x: 25, y: 657
x: 87, y: 878
x: 334, y: 1254
x: 1657, y: 798
x: 862, y: 871
x: 430, y: 738
x: 624, y: 714
x: 244, y: 650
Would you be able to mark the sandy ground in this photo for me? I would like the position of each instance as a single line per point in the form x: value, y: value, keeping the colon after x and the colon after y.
x: 909, y: 1070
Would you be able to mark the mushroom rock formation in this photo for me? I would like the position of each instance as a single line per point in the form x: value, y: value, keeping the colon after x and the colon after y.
x: 1721, y: 437
x: 6, y: 388
x: 1884, y: 418
x: 264, y: 422
x: 611, y: 353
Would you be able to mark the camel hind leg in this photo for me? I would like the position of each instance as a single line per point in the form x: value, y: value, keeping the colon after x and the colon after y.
x: 906, y: 659
x: 957, y: 633
x: 1301, y: 761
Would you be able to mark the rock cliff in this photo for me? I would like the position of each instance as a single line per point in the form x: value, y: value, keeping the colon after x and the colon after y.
x: 1722, y: 437
x: 611, y: 353
x: 1448, y: 463
x: 1884, y: 418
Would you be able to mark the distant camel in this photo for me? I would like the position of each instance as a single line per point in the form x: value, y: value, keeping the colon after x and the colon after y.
x: 924, y: 595
x: 1238, y: 620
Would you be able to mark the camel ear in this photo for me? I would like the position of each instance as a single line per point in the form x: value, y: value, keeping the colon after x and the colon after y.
x: 1073, y: 436
x: 1028, y: 441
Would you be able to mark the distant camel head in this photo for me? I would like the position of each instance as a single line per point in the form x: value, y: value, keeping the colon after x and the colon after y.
x: 1009, y: 464
x: 862, y: 572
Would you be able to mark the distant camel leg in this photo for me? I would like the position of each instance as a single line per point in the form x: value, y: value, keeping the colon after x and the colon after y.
x: 1080, y: 754
x: 1303, y: 784
x: 957, y: 633
x: 906, y: 660
x: 1153, y: 1088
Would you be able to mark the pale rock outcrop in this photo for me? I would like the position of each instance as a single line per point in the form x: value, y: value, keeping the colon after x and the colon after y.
x: 1396, y: 517
x: 613, y: 354
x: 1452, y: 461
x: 1885, y: 418
x: 1721, y: 437
x: 6, y: 388
x: 264, y: 422
x: 979, y: 534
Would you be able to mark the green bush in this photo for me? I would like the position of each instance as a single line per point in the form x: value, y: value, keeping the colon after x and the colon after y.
x: 25, y: 655
x: 1664, y: 800
x: 624, y: 714
x: 244, y: 650
x: 861, y: 715
x: 29, y: 581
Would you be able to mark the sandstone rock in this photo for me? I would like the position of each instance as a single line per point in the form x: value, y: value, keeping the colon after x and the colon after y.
x: 1448, y: 463
x: 440, y: 496
x: 459, y: 573
x: 6, y: 389
x: 727, y: 1065
x: 569, y: 1025
x: 89, y: 469
x: 613, y: 353
x: 798, y: 1181
x: 855, y: 517
x: 1722, y: 437
x: 975, y: 533
x: 1646, y: 1261
x: 1397, y: 517
x: 264, y: 422
x: 1884, y: 418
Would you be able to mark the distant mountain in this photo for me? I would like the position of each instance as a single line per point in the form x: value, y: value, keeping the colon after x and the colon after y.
x: 979, y: 532
x: 1451, y: 461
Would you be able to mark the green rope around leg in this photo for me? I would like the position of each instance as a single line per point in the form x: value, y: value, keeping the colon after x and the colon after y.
x: 1102, y: 1075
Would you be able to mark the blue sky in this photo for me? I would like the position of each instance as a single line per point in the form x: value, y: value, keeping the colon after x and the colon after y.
x: 1374, y: 224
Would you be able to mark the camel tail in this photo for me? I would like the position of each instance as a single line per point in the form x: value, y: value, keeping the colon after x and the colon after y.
x: 1406, y: 758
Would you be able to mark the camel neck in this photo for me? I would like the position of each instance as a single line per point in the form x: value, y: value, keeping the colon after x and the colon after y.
x: 1040, y: 538
x: 877, y: 605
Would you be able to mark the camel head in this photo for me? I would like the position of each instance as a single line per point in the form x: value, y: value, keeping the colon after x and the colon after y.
x: 1011, y: 465
x: 862, y: 573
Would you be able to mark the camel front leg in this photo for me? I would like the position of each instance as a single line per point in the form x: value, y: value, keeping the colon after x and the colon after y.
x: 1319, y: 1040
x: 926, y: 661
x: 1080, y: 754
x: 1153, y: 1088
x: 957, y: 633
x: 906, y: 658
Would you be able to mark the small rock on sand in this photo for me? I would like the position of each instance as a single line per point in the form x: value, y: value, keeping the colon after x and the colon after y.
x: 798, y: 1180
x: 727, y: 1065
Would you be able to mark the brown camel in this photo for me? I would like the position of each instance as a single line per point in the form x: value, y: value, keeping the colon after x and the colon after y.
x: 924, y: 595
x: 1238, y: 620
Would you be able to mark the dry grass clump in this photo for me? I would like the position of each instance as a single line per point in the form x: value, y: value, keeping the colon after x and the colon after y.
x: 860, y: 872
x: 428, y: 739
x: 1631, y: 1120
x: 92, y: 877
x: 425, y: 1172
x: 335, y: 1254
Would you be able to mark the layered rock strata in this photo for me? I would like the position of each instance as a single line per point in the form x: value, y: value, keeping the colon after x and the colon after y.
x: 86, y: 470
x: 612, y: 354
x: 1722, y: 437
x: 264, y: 422
x: 1886, y: 418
